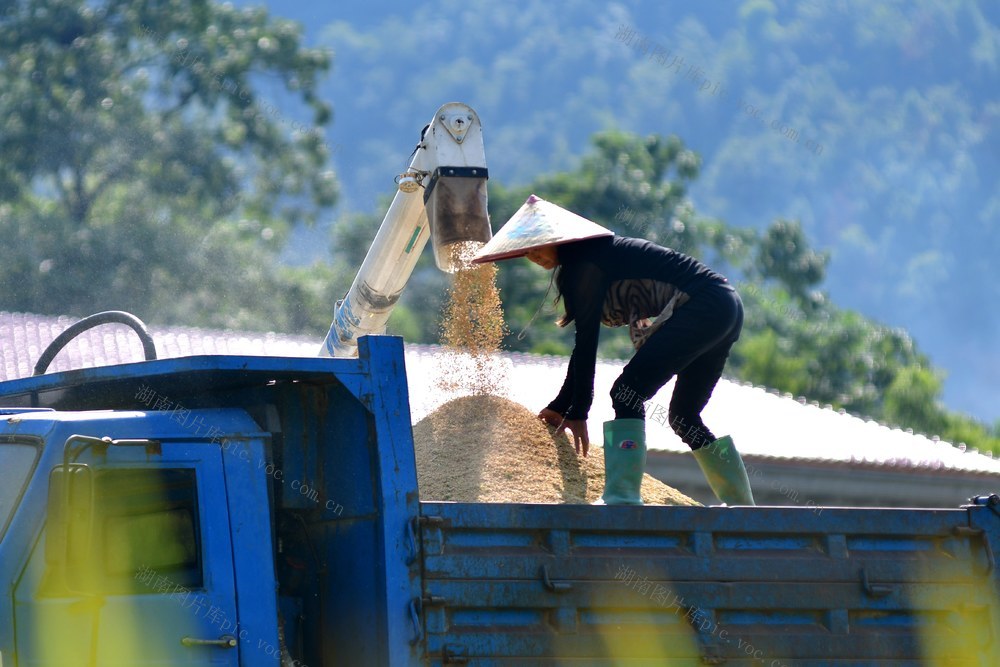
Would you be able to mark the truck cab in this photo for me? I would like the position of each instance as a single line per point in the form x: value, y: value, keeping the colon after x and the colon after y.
x: 205, y: 510
x: 155, y: 545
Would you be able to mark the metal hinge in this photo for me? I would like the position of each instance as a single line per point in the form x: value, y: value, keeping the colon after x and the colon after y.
x: 554, y: 586
x: 412, y: 528
x: 874, y: 590
x: 454, y: 654
x: 418, y: 627
x: 990, y: 500
x: 969, y: 531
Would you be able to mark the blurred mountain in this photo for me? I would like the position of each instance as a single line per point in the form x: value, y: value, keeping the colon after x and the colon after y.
x: 876, y: 124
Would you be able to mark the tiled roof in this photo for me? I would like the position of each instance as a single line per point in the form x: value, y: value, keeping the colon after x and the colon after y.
x: 762, y: 423
x: 24, y: 336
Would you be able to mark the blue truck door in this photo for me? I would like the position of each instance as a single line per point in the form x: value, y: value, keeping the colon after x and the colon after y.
x: 246, y: 471
x: 162, y: 590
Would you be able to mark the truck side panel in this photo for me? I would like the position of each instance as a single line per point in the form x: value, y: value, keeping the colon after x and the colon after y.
x: 250, y: 525
x: 773, y: 586
x: 350, y: 441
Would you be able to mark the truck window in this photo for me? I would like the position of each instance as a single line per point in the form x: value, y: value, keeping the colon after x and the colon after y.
x: 16, y: 463
x: 147, y: 521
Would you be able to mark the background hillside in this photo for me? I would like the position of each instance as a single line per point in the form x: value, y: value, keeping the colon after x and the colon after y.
x: 895, y: 170
x: 227, y: 165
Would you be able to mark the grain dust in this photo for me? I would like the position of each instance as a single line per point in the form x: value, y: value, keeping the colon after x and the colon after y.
x: 490, y: 449
x: 472, y: 328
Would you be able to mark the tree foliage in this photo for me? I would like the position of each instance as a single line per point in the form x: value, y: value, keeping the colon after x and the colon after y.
x: 144, y: 167
x: 784, y: 254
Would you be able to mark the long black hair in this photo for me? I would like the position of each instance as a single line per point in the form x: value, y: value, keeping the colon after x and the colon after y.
x: 573, y: 271
x: 559, y: 279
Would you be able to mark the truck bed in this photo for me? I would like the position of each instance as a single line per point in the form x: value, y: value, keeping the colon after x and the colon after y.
x: 364, y: 573
x: 548, y: 584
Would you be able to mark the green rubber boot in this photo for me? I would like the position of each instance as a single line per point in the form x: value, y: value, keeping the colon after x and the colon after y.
x: 723, y: 468
x: 624, y: 461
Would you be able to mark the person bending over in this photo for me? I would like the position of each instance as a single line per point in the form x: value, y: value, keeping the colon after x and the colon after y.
x: 683, y: 319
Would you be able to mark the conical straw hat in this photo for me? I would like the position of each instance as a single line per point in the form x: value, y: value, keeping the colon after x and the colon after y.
x: 536, y: 224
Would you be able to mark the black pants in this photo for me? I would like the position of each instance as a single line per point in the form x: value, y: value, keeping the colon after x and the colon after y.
x: 693, y: 345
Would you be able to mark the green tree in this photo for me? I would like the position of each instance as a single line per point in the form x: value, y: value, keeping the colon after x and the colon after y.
x: 145, y: 169
x: 769, y: 361
x: 636, y: 186
x: 821, y: 352
x: 784, y: 254
x: 965, y: 430
x: 912, y: 398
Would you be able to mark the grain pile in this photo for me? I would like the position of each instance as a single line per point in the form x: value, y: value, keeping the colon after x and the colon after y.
x: 490, y: 449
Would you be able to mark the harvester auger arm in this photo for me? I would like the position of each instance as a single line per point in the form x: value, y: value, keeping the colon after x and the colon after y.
x: 441, y: 196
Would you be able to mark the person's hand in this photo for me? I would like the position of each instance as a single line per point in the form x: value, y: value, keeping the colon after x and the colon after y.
x: 551, y: 417
x: 578, y: 427
x: 580, y: 436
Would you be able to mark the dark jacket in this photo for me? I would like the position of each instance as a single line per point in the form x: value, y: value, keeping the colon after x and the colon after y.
x: 617, y: 281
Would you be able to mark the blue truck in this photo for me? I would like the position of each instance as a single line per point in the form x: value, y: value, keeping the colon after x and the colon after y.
x: 230, y: 510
